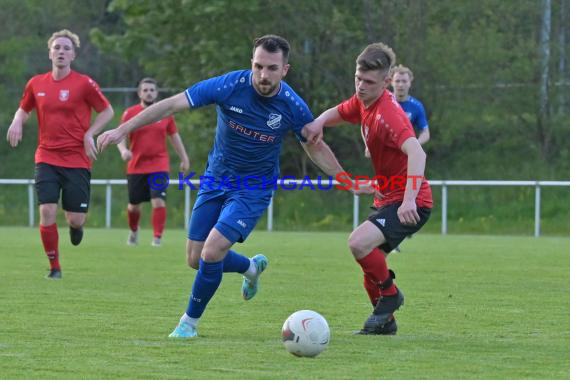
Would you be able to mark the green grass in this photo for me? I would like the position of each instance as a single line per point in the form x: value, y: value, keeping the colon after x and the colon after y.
x: 477, y: 307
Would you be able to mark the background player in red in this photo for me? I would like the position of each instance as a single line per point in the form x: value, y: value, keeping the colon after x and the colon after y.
x: 395, y: 153
x: 63, y: 100
x: 146, y: 155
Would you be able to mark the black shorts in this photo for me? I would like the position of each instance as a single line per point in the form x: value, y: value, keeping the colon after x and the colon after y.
x: 140, y: 190
x: 74, y: 184
x: 386, y: 219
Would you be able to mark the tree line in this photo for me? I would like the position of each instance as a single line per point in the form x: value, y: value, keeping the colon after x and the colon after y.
x: 491, y: 73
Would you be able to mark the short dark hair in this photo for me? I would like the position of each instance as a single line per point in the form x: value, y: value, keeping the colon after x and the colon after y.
x: 273, y: 43
x: 377, y: 56
x: 146, y: 80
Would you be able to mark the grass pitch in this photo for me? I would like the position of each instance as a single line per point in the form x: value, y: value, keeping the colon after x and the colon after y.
x: 476, y: 308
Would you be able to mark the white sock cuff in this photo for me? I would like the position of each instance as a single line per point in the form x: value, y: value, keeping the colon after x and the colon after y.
x: 190, y: 321
x: 251, y: 271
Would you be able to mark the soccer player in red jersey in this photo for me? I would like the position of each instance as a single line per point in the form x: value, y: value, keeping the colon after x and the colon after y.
x: 63, y: 99
x: 395, y: 154
x: 146, y: 155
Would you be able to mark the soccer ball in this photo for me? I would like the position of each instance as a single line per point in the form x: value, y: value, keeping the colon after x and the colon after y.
x: 305, y: 333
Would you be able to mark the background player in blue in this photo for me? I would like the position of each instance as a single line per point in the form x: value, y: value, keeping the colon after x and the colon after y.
x: 402, y: 78
x: 255, y: 109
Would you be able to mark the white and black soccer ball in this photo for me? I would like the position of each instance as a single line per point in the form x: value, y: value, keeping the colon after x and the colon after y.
x: 306, y: 333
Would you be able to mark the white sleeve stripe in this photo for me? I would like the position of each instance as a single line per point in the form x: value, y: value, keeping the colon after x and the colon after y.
x: 189, y: 97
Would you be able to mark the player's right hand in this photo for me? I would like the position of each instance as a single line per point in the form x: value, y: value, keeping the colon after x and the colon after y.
x: 408, y: 213
x: 313, y: 131
x: 126, y: 155
x: 14, y: 135
x: 114, y: 136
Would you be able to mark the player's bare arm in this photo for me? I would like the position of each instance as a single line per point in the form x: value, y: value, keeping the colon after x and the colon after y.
x: 329, y: 118
x: 423, y: 136
x: 178, y: 146
x: 313, y: 131
x: 15, y: 131
x: 322, y: 155
x: 125, y: 152
x: 99, y: 123
x: 151, y: 114
x: 407, y: 212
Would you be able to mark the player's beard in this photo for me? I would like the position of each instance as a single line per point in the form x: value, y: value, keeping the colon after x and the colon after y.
x: 265, y: 90
x: 147, y: 103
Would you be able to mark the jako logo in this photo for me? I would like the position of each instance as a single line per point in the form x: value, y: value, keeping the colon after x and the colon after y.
x: 235, y: 109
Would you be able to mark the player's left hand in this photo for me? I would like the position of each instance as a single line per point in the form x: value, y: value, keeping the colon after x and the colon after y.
x: 114, y: 136
x: 408, y: 213
x: 378, y: 194
x: 89, y: 145
x: 184, y: 165
x: 365, y: 188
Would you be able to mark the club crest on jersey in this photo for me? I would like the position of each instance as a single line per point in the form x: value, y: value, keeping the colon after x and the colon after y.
x: 63, y: 95
x: 274, y: 121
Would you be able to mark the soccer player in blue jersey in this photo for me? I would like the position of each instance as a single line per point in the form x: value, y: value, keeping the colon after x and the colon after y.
x: 402, y: 78
x: 255, y: 109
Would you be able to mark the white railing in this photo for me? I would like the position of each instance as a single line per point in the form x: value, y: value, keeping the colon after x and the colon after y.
x: 356, y: 203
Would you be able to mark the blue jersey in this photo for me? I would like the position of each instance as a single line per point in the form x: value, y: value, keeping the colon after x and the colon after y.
x: 250, y: 127
x: 416, y: 113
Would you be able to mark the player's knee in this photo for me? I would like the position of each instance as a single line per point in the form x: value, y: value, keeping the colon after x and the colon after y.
x: 76, y: 221
x: 193, y: 252
x: 48, y: 214
x: 356, y: 246
x: 76, y: 224
x: 133, y: 208
x: 211, y: 255
x: 193, y: 262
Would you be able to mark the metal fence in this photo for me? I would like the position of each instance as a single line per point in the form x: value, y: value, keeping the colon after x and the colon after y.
x: 109, y: 183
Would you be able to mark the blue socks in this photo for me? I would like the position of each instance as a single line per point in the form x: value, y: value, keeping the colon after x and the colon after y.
x: 205, y: 285
x: 208, y: 279
x: 234, y: 262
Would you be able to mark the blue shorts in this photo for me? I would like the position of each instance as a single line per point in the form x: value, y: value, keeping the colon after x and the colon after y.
x: 234, y: 213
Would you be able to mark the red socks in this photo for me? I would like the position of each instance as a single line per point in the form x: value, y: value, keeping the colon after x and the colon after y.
x: 50, y: 239
x: 158, y: 220
x: 372, y: 289
x: 134, y: 217
x: 375, y: 271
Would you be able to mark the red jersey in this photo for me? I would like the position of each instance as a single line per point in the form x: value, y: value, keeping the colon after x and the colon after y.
x: 148, y: 144
x: 385, y: 128
x: 63, y: 108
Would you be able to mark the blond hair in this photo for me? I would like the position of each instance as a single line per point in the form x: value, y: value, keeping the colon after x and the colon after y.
x: 67, y: 34
x: 401, y: 69
x: 377, y: 56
